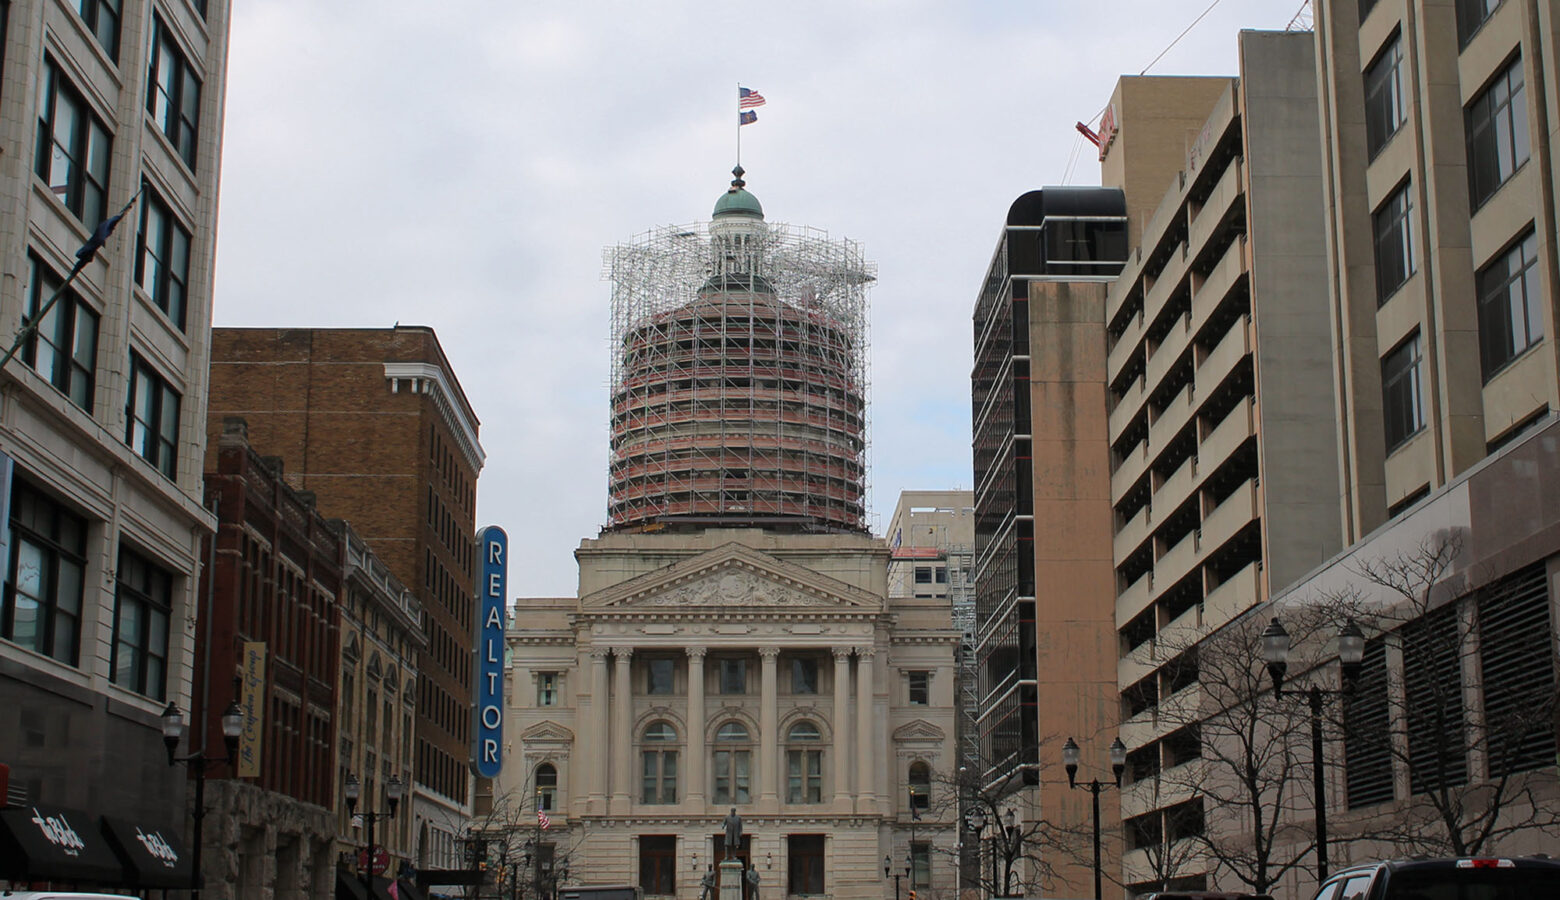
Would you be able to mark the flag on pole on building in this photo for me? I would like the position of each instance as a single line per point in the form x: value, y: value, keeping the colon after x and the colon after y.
x: 747, y: 99
x: 542, y: 820
x: 746, y: 117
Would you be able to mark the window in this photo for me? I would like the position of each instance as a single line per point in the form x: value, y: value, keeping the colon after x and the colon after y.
x: 1394, y: 243
x: 64, y: 348
x: 804, y: 675
x: 143, y: 603
x: 733, y: 676
x: 73, y: 147
x: 920, y: 865
x: 659, y: 676
x: 920, y: 785
x: 1402, y: 402
x: 940, y: 574
x: 173, y: 92
x: 1367, y: 729
x: 658, y: 864
x: 920, y: 688
x: 923, y: 574
x: 45, y: 575
x: 1497, y: 128
x: 152, y: 417
x: 546, y: 688
x: 1470, y: 17
x: 1384, y: 107
x: 805, y: 851
x: 804, y: 765
x: 102, y: 18
x: 546, y: 787
x: 1511, y: 318
x: 732, y: 764
x: 659, y: 764
x: 1433, y: 702
x: 1518, y: 676
x: 162, y: 262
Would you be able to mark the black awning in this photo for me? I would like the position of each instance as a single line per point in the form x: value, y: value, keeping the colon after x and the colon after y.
x: 406, y: 889
x: 350, y: 887
x: 153, y: 857
x: 47, y: 843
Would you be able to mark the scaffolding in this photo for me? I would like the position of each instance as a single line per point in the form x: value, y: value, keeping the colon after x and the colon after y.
x: 739, y: 377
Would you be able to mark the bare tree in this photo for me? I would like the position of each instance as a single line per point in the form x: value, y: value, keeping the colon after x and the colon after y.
x: 512, y: 840
x: 1014, y: 857
x: 1459, y: 694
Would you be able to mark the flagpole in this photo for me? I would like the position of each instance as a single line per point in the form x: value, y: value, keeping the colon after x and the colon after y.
x: 739, y: 124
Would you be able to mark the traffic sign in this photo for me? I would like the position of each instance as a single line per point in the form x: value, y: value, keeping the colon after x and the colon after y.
x: 381, y: 861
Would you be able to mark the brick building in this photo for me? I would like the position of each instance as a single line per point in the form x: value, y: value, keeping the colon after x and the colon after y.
x: 273, y: 625
x: 375, y: 424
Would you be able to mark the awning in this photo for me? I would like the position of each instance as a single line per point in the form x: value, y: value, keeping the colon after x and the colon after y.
x: 153, y: 857
x: 406, y: 889
x: 350, y: 887
x: 48, y: 843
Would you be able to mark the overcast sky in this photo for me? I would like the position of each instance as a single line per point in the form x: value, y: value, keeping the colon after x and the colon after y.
x: 462, y: 164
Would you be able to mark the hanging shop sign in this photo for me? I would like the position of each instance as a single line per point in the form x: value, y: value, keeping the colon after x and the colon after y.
x: 251, y: 700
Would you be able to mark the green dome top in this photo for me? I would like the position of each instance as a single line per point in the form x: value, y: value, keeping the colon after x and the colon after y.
x: 737, y: 201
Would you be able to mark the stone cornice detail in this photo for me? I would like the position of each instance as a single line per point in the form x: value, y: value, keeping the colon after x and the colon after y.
x: 733, y: 578
x: 427, y: 378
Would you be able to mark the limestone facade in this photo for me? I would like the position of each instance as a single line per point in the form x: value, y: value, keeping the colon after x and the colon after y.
x: 735, y: 668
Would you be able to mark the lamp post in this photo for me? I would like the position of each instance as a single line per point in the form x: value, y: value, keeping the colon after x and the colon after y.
x: 888, y: 863
x: 976, y: 820
x: 1351, y: 655
x: 1118, y: 762
x: 197, y: 763
x: 354, y: 790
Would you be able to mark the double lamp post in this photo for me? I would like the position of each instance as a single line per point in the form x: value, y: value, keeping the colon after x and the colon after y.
x: 354, y: 791
x: 888, y: 863
x: 198, y: 762
x: 1008, y: 829
x: 1118, y: 763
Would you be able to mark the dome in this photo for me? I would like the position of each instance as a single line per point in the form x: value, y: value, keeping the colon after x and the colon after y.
x: 737, y: 201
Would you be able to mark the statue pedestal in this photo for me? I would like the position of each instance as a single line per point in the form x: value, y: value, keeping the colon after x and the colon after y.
x: 731, y: 880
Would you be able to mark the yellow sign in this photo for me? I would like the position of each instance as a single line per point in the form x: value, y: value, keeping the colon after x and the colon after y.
x: 252, y: 701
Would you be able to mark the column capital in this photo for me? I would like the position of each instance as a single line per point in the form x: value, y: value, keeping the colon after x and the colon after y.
x: 696, y: 652
x: 841, y: 654
x: 769, y: 652
x: 866, y: 652
x: 599, y: 654
x: 623, y: 653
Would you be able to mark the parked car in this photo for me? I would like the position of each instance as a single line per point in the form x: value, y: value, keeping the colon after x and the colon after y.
x: 1493, y: 878
x: 1202, y: 895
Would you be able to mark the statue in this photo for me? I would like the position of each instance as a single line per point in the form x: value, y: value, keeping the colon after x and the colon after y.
x: 708, y: 884
x: 752, y: 883
x: 733, y: 826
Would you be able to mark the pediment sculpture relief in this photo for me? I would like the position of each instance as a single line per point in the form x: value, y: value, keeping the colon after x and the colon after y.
x: 735, y: 588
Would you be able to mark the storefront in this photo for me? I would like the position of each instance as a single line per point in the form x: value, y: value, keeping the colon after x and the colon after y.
x: 153, y: 857
x: 58, y: 847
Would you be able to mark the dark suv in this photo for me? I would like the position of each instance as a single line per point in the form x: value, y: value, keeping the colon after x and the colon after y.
x: 1446, y: 879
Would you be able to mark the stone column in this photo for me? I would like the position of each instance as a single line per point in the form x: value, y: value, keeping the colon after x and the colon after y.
x: 842, y: 757
x: 622, y: 730
x: 866, y: 796
x: 693, y: 766
x: 598, y: 714
x: 768, y: 725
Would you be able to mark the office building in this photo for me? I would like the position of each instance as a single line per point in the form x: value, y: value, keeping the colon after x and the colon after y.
x: 102, y: 417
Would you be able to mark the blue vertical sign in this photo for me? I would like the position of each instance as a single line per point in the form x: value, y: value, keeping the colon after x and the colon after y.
x: 492, y: 587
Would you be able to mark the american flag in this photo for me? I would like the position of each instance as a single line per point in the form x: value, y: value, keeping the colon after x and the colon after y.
x: 747, y: 99
x: 542, y: 820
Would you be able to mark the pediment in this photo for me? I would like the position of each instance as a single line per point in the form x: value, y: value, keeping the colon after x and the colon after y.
x: 547, y: 732
x: 729, y: 578
x: 919, y: 730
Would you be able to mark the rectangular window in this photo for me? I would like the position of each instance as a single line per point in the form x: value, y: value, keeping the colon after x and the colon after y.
x: 733, y: 676
x: 1511, y: 317
x: 658, y: 674
x: 804, y: 776
x: 732, y: 776
x: 1402, y: 396
x: 45, y: 575
x: 920, y: 688
x: 73, y: 147
x: 1394, y: 243
x: 1433, y: 652
x: 804, y: 675
x: 64, y: 348
x: 162, y: 262
x: 940, y: 574
x: 1384, y: 107
x: 920, y: 865
x: 152, y: 417
x: 805, y: 851
x: 143, y: 603
x: 173, y: 92
x: 1471, y: 15
x: 1497, y: 129
x: 659, y: 781
x: 102, y: 18
x: 923, y: 574
x: 658, y: 864
x: 1518, y: 672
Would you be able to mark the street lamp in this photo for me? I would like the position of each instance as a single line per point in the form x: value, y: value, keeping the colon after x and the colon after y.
x: 976, y: 820
x: 1351, y: 655
x: 197, y: 763
x: 1118, y: 762
x: 353, y: 791
x: 888, y: 863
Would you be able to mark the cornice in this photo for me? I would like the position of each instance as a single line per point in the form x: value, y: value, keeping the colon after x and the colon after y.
x: 427, y: 378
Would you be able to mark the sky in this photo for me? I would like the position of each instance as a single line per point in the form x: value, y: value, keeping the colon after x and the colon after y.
x: 463, y: 164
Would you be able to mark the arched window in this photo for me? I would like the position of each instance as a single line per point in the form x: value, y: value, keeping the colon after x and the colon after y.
x: 803, y: 764
x: 658, y: 764
x: 733, y: 764
x: 920, y: 787
x: 546, y: 787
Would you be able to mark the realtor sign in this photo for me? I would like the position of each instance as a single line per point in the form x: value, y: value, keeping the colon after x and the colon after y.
x: 492, y: 586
